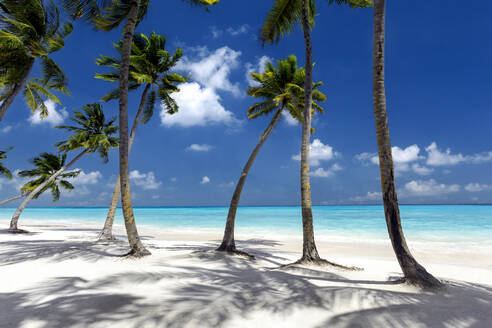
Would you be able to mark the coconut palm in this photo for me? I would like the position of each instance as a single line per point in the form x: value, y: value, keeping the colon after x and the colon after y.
x: 30, y: 30
x: 281, y: 88
x: 46, y: 164
x: 108, y: 15
x: 3, y: 170
x: 413, y: 272
x: 149, y: 66
x: 280, y: 21
x: 91, y: 133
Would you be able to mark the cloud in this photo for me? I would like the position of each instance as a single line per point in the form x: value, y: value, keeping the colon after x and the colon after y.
x: 156, y: 197
x: 430, y: 188
x: 6, y: 129
x: 197, y: 147
x: 289, y: 119
x: 322, y: 173
x: 174, y: 179
x: 217, y: 33
x: 421, y: 170
x: 55, y: 117
x: 212, y: 69
x: 318, y: 152
x: 370, y: 196
x: 197, y: 107
x: 145, y: 180
x: 476, y: 187
x: 436, y: 157
x: 258, y: 67
x: 87, y: 178
x: 205, y: 180
x: 227, y: 184
x: 16, y: 182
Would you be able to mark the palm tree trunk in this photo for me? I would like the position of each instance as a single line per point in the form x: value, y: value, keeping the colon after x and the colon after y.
x: 414, y: 273
x: 10, y: 200
x: 137, y: 249
x: 309, y: 251
x: 18, y: 87
x: 228, y: 243
x: 107, y: 231
x: 13, y: 222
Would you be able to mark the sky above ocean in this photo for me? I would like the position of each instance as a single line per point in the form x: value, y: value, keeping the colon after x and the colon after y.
x: 439, y: 87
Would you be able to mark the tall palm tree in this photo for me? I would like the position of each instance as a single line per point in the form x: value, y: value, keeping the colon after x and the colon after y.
x: 280, y: 21
x: 46, y: 164
x: 30, y: 30
x: 112, y: 14
x: 149, y: 66
x: 91, y: 133
x: 281, y: 88
x: 414, y: 272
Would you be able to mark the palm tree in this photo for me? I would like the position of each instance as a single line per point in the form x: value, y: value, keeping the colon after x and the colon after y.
x: 149, y: 66
x: 112, y: 14
x: 281, y: 20
x: 46, y: 165
x: 92, y: 133
x: 281, y: 88
x: 3, y: 170
x: 413, y: 272
x: 30, y: 30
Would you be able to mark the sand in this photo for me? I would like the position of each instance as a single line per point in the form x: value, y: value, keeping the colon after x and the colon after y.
x: 60, y: 276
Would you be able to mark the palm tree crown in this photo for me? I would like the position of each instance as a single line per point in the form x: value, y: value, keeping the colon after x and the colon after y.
x: 46, y: 165
x: 31, y: 29
x: 3, y: 170
x: 149, y: 64
x: 282, y: 86
x: 92, y: 133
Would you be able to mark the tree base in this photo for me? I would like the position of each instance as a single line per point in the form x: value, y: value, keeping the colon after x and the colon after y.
x: 106, y: 237
x: 425, y: 281
x: 231, y: 250
x: 322, y: 262
x: 17, y: 230
x: 138, y: 253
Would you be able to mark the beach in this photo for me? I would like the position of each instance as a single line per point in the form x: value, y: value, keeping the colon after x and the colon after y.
x: 59, y: 275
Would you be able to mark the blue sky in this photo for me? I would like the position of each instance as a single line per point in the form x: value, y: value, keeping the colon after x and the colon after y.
x: 439, y: 87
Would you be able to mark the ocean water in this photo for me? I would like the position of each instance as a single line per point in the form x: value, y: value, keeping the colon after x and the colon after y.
x: 435, y: 223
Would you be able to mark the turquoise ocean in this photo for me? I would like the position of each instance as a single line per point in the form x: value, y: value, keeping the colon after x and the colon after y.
x: 435, y: 223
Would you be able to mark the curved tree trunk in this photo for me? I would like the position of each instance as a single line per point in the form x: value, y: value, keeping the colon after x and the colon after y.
x: 137, y: 249
x: 107, y: 231
x: 414, y: 273
x: 228, y: 243
x: 10, y: 200
x: 309, y: 251
x: 13, y: 222
x: 18, y: 87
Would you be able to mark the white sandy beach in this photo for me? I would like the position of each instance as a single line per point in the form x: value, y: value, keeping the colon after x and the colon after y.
x: 59, y: 276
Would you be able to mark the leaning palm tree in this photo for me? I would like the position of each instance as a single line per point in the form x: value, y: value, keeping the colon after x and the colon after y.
x: 282, y: 89
x: 149, y: 66
x: 413, y: 272
x: 30, y: 31
x: 46, y: 164
x: 108, y: 15
x: 280, y: 21
x: 91, y: 133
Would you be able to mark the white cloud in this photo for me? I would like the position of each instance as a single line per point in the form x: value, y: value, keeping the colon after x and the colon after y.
x: 174, y: 179
x: 289, y: 119
x: 258, y: 67
x: 16, y: 182
x: 217, y: 33
x: 476, y: 187
x: 370, y: 196
x: 55, y: 117
x: 436, y: 157
x: 322, y: 173
x: 156, y: 197
x: 212, y: 69
x: 430, y: 188
x: 87, y: 178
x: 198, y: 147
x: 227, y: 184
x: 421, y: 170
x: 318, y: 152
x: 197, y: 107
x: 6, y: 129
x: 205, y: 180
x: 145, y: 180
